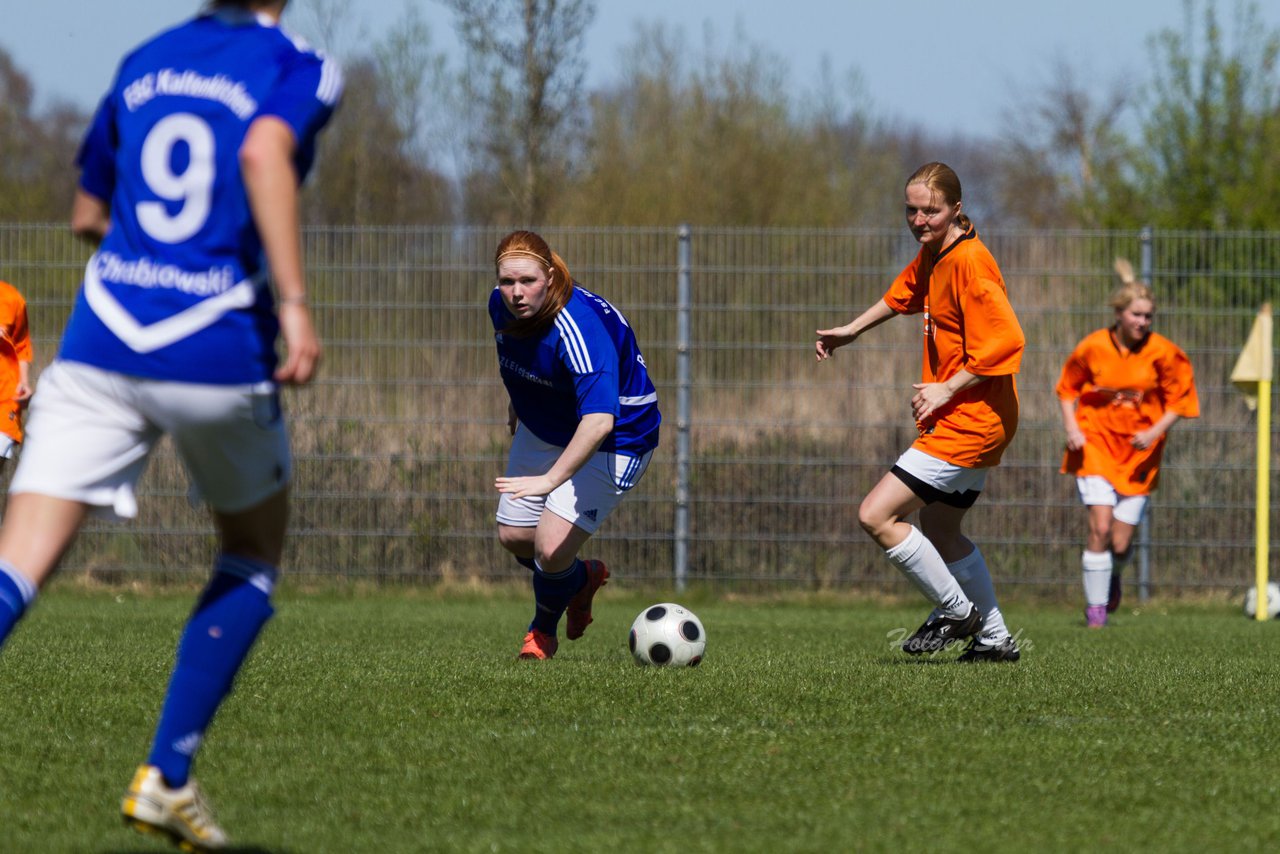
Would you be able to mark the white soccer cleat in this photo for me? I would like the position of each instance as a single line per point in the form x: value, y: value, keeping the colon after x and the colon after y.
x: 181, y: 814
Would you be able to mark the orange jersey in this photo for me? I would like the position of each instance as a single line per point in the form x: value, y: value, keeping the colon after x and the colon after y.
x: 1118, y: 393
x: 15, y: 347
x: 970, y: 325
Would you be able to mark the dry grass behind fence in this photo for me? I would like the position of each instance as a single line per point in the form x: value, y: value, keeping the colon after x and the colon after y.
x: 398, y: 444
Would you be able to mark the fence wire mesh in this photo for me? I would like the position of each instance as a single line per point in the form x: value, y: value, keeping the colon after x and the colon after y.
x: 398, y: 443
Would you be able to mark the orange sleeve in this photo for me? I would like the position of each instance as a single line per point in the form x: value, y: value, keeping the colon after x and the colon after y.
x: 21, y: 332
x: 1075, y: 375
x: 993, y: 337
x: 906, y: 295
x: 1178, y: 385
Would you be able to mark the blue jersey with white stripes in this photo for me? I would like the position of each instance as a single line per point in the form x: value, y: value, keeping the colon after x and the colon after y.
x: 177, y: 290
x: 586, y: 361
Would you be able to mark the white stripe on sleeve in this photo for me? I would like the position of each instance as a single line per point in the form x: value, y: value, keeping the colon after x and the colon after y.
x: 574, y: 343
x: 330, y: 88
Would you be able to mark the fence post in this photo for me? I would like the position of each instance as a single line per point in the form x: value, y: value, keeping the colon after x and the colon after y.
x: 1144, y: 527
x: 684, y: 299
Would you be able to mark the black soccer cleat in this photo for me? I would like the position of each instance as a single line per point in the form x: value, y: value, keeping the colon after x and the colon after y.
x: 1113, y: 595
x: 1006, y: 650
x: 939, y: 633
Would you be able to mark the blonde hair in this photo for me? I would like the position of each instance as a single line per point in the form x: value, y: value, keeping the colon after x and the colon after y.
x: 528, y: 244
x: 1130, y: 287
x: 941, y: 180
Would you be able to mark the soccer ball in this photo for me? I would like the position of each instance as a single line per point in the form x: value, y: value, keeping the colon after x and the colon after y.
x: 1273, y: 601
x: 668, y: 635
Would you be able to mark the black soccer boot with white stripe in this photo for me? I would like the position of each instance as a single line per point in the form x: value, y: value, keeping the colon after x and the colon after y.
x: 1005, y: 650
x: 941, y: 632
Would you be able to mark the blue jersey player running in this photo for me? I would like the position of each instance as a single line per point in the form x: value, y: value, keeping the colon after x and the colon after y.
x: 584, y: 420
x: 189, y: 178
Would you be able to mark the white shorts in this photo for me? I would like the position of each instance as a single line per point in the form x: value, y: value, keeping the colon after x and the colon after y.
x: 586, y: 499
x: 8, y: 447
x: 91, y: 432
x: 1096, y: 490
x: 939, y: 480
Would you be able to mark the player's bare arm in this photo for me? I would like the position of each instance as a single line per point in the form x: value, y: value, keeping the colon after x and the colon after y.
x: 830, y: 339
x: 1144, y: 439
x: 592, y: 430
x: 930, y: 397
x: 90, y: 217
x: 266, y: 161
x: 1075, y: 436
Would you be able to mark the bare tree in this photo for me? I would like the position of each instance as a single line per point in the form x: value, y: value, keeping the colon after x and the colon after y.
x: 712, y: 136
x: 328, y: 22
x: 37, y: 180
x: 524, y: 75
x: 1212, y: 127
x: 1064, y: 153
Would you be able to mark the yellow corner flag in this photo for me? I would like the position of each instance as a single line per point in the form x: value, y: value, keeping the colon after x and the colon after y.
x: 1252, y: 375
x: 1254, y: 365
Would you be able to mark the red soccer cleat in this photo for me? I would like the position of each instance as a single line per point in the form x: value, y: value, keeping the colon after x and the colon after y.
x: 538, y: 645
x: 578, y: 616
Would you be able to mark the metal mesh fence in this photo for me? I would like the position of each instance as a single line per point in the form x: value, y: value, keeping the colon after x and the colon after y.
x: 399, y: 441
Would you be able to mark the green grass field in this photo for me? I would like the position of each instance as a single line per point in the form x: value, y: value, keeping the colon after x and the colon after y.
x: 401, y: 721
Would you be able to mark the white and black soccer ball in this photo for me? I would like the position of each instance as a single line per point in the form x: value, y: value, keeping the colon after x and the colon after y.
x: 1273, y: 601
x: 668, y: 635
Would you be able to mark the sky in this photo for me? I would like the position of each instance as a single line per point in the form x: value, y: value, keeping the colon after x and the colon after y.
x: 947, y: 67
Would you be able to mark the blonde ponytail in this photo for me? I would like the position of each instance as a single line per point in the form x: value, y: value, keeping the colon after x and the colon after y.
x: 1130, y: 287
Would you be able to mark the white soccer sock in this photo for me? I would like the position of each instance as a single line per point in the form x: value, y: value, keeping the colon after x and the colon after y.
x: 1097, y: 577
x: 975, y: 579
x: 920, y: 562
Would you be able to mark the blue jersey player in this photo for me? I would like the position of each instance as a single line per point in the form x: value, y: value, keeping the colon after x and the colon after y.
x: 584, y: 420
x: 189, y: 177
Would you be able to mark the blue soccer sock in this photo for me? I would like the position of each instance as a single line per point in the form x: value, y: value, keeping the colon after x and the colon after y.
x: 528, y: 563
x: 551, y: 595
x: 222, y: 628
x: 16, y: 594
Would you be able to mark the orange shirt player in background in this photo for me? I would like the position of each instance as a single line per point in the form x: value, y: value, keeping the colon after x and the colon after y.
x: 966, y: 411
x: 15, y: 368
x: 1121, y: 390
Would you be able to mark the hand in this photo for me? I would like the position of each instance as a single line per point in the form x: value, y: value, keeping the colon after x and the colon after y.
x: 1144, y: 439
x: 302, y: 345
x: 1075, y: 438
x: 522, y: 487
x: 928, y: 399
x: 22, y: 393
x: 830, y: 339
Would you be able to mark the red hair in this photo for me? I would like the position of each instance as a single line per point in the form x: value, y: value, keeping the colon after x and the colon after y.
x: 527, y: 244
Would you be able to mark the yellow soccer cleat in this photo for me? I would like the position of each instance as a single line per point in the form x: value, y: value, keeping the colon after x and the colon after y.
x: 181, y: 814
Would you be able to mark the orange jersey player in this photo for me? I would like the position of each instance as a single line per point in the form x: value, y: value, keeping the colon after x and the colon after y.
x: 966, y: 409
x: 15, y: 367
x: 968, y: 326
x: 1121, y: 390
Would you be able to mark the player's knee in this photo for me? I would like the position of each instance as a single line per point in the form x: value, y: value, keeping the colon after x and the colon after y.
x: 1099, y: 536
x: 515, y: 540
x: 874, y: 521
x: 553, y: 561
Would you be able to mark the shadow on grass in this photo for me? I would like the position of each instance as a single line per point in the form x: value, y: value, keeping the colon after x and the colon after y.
x: 161, y: 846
